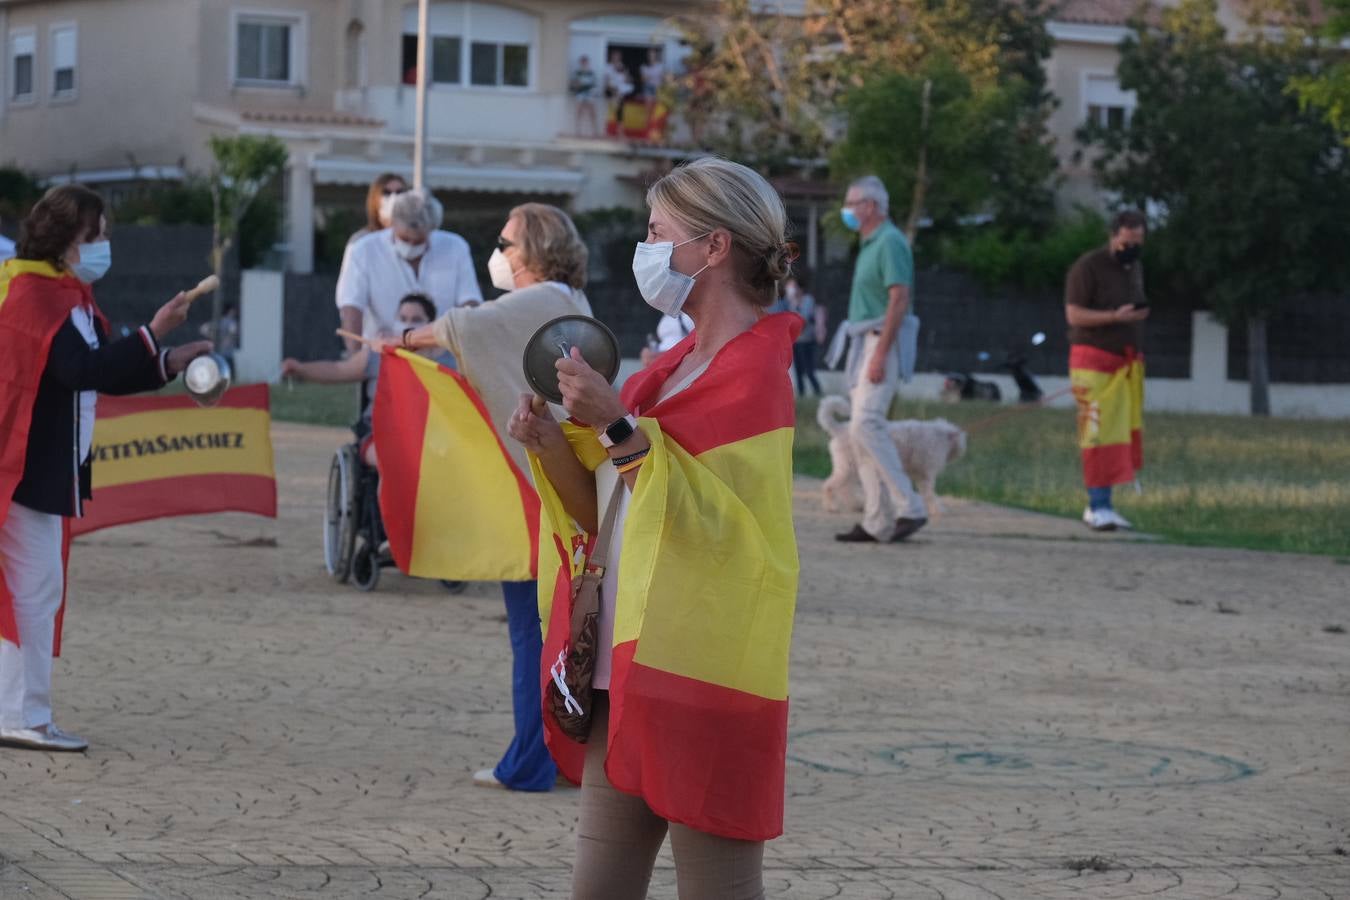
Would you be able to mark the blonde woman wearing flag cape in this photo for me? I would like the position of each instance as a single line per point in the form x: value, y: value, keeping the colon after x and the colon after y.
x: 689, y: 724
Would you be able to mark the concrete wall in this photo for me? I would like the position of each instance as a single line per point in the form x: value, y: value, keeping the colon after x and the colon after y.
x: 1208, y: 390
x: 135, y: 82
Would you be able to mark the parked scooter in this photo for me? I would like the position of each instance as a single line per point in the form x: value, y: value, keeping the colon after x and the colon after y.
x: 966, y: 386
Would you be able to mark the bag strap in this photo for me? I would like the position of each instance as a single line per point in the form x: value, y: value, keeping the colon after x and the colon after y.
x: 600, y: 547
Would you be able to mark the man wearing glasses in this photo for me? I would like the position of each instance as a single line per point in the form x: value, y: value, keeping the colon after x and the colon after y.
x: 411, y: 256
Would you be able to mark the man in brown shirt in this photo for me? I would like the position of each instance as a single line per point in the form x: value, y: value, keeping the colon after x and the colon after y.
x: 1105, y: 306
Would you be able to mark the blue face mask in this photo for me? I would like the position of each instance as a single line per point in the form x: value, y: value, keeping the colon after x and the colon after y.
x: 850, y: 219
x: 95, y: 259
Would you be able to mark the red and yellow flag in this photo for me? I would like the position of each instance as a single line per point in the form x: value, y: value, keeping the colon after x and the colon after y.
x: 155, y: 457
x: 455, y: 506
x: 35, y: 301
x: 1109, y: 391
x: 706, y: 592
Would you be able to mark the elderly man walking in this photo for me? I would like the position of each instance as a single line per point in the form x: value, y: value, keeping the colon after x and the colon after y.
x: 882, y: 336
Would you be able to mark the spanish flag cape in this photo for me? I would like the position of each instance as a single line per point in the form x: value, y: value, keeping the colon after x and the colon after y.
x: 1109, y: 391
x: 35, y: 301
x: 706, y: 591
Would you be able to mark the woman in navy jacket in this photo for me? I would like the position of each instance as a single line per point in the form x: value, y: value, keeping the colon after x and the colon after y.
x: 55, y: 358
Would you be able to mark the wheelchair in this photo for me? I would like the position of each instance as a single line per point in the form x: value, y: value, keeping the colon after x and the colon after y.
x: 353, y: 531
x: 354, y: 539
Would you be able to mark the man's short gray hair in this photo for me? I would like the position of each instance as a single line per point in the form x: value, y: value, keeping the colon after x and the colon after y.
x: 873, y: 188
x: 418, y: 210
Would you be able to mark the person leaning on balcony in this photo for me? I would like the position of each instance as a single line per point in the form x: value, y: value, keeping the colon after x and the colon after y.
x: 410, y: 256
x: 55, y: 359
x: 380, y: 204
x: 540, y: 262
x: 584, y: 86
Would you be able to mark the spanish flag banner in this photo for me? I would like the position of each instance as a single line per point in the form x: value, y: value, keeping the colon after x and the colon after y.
x: 1109, y: 391
x: 455, y: 506
x: 155, y: 457
x: 706, y: 591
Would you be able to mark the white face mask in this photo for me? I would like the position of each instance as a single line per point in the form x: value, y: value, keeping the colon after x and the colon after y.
x: 499, y: 267
x: 664, y: 289
x: 409, y: 251
x: 95, y: 260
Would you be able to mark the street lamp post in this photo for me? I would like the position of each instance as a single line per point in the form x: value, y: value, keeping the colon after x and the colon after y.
x: 423, y: 51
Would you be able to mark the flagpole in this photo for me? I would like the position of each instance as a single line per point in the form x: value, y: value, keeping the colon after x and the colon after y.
x: 420, y: 138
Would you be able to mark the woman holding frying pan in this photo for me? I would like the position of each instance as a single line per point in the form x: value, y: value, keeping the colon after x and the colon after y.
x: 55, y: 358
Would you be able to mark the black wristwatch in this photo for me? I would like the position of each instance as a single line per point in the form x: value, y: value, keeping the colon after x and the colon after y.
x: 618, y: 431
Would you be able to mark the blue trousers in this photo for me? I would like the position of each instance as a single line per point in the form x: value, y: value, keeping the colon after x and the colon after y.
x: 526, y: 766
x: 1099, y: 498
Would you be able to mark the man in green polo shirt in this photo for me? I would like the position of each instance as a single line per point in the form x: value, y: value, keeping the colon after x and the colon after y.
x: 879, y: 322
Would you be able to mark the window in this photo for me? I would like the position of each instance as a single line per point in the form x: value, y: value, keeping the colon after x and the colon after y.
x: 23, y: 55
x: 445, y: 59
x: 64, y: 44
x: 475, y: 44
x: 268, y: 49
x: 1106, y: 104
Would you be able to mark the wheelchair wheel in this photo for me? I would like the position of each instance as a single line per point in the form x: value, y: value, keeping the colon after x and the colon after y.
x: 365, y: 567
x: 339, y: 520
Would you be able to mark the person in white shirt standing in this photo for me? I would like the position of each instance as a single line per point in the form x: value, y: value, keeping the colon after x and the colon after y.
x: 411, y: 256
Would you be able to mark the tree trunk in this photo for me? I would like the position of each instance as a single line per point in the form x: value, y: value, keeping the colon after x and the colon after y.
x: 921, y: 169
x: 1258, y: 366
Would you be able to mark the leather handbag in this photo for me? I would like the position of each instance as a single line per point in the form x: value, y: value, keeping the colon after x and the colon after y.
x: 570, y: 691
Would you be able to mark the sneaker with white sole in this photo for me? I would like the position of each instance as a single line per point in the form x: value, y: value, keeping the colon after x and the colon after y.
x: 1099, y: 519
x: 1118, y: 520
x: 47, y: 737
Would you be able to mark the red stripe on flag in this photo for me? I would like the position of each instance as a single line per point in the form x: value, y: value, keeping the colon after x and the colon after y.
x: 749, y: 374
x: 1136, y: 448
x: 250, y: 396
x: 181, y: 495
x: 400, y: 417
x: 1108, y: 465
x: 699, y: 754
x: 567, y: 753
x: 1095, y: 359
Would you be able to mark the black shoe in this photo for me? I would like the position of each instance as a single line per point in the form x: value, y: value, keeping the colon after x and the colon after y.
x: 905, y: 527
x: 856, y: 536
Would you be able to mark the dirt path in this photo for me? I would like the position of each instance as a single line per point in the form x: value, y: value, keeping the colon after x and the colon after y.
x: 1006, y: 707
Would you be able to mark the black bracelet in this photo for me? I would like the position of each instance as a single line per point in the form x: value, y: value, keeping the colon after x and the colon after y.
x: 631, y: 458
x: 404, y: 342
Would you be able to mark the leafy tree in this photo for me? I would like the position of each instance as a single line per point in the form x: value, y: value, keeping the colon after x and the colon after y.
x: 242, y: 167
x: 1329, y: 89
x: 18, y: 192
x: 789, y: 88
x: 1254, y: 187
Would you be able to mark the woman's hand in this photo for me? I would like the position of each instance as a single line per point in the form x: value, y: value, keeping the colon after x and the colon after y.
x: 534, y: 426
x: 170, y: 316
x: 587, y: 396
x: 290, y: 367
x: 179, y: 357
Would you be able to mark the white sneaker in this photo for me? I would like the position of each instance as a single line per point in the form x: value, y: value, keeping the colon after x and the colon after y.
x: 1117, y: 519
x: 50, y: 738
x: 1099, y: 519
x: 486, y: 778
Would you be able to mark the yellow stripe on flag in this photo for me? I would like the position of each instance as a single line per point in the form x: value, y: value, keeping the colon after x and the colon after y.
x: 672, y: 588
x: 148, y: 446
x: 467, y: 495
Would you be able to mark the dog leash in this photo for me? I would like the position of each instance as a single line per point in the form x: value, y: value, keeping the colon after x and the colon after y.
x: 979, y: 424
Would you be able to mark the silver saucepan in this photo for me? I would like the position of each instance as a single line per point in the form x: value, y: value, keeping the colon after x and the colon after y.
x: 207, y: 378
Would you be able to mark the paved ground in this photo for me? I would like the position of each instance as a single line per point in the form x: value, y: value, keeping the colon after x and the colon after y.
x: 1008, y: 707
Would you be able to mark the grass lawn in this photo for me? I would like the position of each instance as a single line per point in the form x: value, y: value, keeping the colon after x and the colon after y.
x: 1229, y: 481
x: 1273, y: 484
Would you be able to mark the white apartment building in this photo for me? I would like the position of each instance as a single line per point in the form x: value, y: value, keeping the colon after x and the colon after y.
x: 107, y: 91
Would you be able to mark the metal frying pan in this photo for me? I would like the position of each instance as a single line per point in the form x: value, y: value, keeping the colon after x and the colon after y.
x: 555, y: 340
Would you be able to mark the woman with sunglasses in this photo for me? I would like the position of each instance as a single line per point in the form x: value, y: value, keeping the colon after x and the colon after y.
x: 540, y: 262
x: 380, y: 204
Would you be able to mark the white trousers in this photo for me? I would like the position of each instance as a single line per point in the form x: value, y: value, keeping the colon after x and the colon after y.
x: 30, y: 552
x: 886, y: 487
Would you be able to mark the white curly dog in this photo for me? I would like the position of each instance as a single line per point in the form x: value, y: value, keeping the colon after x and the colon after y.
x: 926, y: 447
